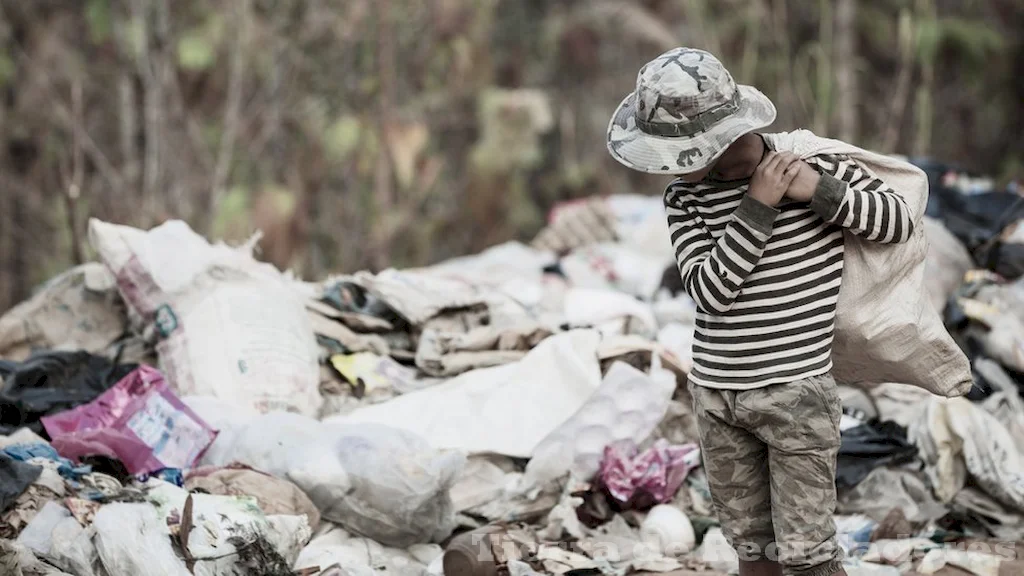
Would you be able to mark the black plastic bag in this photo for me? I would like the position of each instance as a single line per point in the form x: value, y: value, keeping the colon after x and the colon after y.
x: 52, y: 382
x: 871, y: 446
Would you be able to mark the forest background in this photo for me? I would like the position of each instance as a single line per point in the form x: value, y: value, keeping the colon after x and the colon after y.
x: 361, y: 134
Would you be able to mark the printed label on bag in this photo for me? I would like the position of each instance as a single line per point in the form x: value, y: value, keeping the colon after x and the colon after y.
x: 175, y: 438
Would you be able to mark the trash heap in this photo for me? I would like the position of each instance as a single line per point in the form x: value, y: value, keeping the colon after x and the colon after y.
x: 180, y: 408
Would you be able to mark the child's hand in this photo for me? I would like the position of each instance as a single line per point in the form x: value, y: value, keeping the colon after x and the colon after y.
x: 773, y: 176
x: 804, y: 184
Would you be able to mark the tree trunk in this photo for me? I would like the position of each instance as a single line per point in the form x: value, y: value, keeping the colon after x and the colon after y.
x: 846, y: 63
x: 232, y: 111
x: 784, y: 83
x: 923, y: 104
x: 383, y: 186
x: 897, y: 111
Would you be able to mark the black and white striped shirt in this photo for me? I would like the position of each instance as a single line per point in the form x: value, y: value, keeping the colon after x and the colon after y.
x: 766, y: 280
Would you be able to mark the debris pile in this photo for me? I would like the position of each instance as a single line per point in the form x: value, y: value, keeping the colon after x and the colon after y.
x: 180, y: 408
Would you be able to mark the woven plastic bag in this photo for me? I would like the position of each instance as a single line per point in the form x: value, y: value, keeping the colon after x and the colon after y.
x: 230, y: 326
x: 886, y: 327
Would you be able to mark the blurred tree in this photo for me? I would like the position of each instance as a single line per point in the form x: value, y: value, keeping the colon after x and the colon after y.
x: 372, y: 133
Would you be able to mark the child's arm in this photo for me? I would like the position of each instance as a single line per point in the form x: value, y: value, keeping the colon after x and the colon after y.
x: 713, y: 272
x: 850, y: 196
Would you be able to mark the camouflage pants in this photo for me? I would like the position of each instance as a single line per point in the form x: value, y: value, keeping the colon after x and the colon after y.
x: 770, y: 457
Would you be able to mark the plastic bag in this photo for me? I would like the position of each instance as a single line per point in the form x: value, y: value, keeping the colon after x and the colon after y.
x: 231, y: 535
x: 232, y: 327
x: 640, y: 480
x: 275, y: 443
x: 51, y: 382
x: 73, y: 550
x: 615, y: 267
x: 869, y: 446
x: 384, y: 483
x: 502, y: 410
x: 886, y: 329
x: 947, y: 262
x: 37, y: 535
x: 335, y: 549
x: 139, y: 421
x: 628, y: 406
x: 397, y: 490
x: 133, y: 539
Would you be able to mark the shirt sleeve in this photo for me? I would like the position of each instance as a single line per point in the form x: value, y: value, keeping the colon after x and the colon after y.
x: 849, y: 195
x: 713, y: 272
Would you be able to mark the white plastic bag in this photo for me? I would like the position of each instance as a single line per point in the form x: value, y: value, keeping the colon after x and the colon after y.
x: 133, y: 539
x: 73, y: 550
x: 609, y: 311
x: 37, y: 535
x: 381, y: 482
x: 615, y: 267
x: 628, y: 406
x: 232, y: 327
x: 274, y: 443
x: 225, y: 526
x: 397, y: 489
x: 335, y: 552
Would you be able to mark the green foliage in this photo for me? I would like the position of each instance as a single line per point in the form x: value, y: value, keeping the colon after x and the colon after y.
x: 133, y: 37
x: 929, y: 35
x: 342, y: 137
x: 7, y: 69
x: 234, y: 209
x: 195, y: 52
x: 976, y: 41
x: 310, y: 131
x: 99, y: 19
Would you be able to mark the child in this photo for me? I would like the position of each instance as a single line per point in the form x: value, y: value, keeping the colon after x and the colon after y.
x: 758, y: 236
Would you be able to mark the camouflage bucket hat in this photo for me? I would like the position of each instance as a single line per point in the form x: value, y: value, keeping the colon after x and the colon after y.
x: 686, y: 111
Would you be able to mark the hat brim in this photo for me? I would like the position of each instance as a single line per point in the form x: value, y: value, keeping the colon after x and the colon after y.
x: 683, y: 155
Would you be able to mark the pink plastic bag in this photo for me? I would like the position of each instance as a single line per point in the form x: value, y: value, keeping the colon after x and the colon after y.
x: 651, y: 477
x: 139, y: 421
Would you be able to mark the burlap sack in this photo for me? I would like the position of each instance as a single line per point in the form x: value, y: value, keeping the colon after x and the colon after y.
x: 886, y: 328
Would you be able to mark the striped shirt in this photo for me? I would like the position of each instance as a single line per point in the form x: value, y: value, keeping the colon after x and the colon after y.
x: 766, y: 280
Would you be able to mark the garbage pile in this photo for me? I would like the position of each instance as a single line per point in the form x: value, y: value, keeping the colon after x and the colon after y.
x: 180, y: 408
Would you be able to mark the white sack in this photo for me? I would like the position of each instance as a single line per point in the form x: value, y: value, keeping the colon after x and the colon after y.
x: 886, y: 328
x: 231, y: 327
x: 957, y: 438
x: 947, y: 262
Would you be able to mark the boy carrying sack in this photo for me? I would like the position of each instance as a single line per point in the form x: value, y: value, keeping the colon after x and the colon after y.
x: 805, y: 257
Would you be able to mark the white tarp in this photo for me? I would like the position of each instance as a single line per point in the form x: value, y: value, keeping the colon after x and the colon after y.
x: 504, y: 410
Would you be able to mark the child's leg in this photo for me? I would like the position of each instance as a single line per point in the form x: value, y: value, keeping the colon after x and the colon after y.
x: 736, y: 463
x: 800, y: 424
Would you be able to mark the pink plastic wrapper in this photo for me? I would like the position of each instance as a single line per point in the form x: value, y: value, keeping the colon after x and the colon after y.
x: 648, y: 478
x: 139, y: 421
